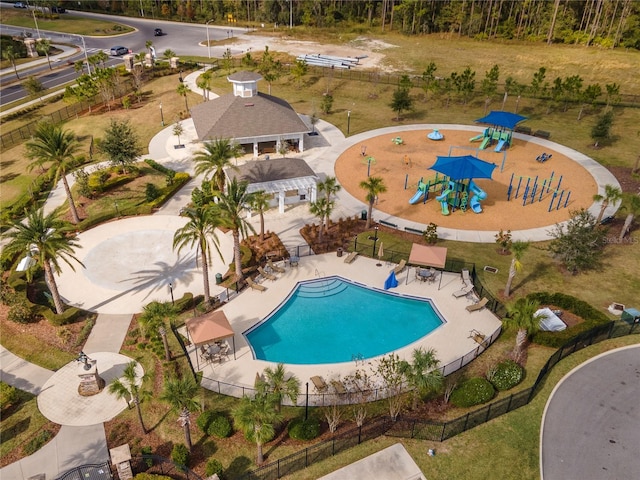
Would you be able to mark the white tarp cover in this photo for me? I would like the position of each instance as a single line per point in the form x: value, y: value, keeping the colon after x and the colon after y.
x: 551, y: 322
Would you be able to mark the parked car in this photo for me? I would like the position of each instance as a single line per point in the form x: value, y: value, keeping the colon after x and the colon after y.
x: 58, y: 10
x: 158, y: 32
x: 119, y: 50
x: 19, y: 5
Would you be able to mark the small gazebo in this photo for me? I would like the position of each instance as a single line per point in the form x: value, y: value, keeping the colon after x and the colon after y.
x: 210, y: 327
x: 428, y: 256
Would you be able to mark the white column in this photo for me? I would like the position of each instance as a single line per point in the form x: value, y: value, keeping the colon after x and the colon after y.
x: 256, y: 153
x: 314, y: 193
x: 281, y: 201
x: 301, y: 143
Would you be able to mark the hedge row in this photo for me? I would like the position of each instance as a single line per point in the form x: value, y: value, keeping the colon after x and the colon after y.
x: 592, y: 317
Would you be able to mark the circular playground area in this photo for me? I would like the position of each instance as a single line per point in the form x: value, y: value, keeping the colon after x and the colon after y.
x: 553, y: 182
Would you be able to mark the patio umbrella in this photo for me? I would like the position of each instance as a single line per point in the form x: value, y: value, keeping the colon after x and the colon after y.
x: 391, y: 281
x: 380, y: 252
x: 466, y: 166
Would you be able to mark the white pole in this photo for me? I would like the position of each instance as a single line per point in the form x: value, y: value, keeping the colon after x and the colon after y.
x: 36, y: 22
x: 208, y: 43
x: 86, y: 57
x: 290, y: 13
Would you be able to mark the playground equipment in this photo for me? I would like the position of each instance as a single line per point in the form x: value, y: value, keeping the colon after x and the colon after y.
x: 531, y: 194
x: 444, y: 196
x: 435, y: 135
x: 543, y: 157
x: 369, y: 161
x: 422, y: 192
x: 478, y: 196
x: 397, y: 140
x: 502, y: 137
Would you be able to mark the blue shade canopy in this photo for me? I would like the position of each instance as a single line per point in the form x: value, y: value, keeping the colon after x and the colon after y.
x: 391, y: 281
x: 502, y: 119
x: 466, y: 166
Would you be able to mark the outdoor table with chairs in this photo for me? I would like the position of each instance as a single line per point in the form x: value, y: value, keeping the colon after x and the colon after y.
x: 217, y: 352
x: 425, y: 274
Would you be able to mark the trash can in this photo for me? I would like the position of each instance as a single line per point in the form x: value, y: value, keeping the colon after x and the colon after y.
x: 363, y: 215
x: 218, y: 278
x: 339, y: 251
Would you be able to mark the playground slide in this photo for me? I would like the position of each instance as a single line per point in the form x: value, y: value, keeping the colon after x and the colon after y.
x: 485, y: 143
x: 476, y: 138
x: 417, y: 197
x: 444, y: 195
x: 501, y: 144
x: 475, y: 189
x: 445, y: 207
x: 474, y: 204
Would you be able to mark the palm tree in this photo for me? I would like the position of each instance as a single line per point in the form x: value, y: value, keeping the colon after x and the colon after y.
x: 233, y: 202
x: 256, y: 418
x: 9, y: 53
x: 422, y: 373
x: 182, y: 90
x: 215, y: 157
x: 153, y: 317
x: 322, y: 209
x: 632, y: 205
x: 522, y: 315
x: 517, y: 250
x: 330, y: 186
x: 199, y: 230
x: 611, y: 195
x: 129, y: 387
x: 204, y: 82
x: 374, y: 186
x: 46, y: 239
x: 261, y: 201
x: 180, y: 393
x: 43, y: 46
x: 53, y: 145
x: 276, y: 385
x: 149, y: 46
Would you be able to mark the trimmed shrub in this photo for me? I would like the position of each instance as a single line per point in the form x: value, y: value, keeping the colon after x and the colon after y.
x: 20, y: 310
x: 204, y: 420
x: 37, y: 442
x: 151, y: 192
x: 8, y: 395
x: 66, y: 317
x: 180, y: 455
x: 150, y: 476
x: 214, y: 424
x: 301, y: 429
x: 213, y: 467
x: 506, y: 375
x: 472, y: 392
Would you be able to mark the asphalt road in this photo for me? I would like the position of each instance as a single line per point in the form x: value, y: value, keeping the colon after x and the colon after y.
x: 591, y: 426
x: 184, y: 39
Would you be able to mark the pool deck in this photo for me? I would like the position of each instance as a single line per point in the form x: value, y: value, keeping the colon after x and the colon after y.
x: 451, y: 341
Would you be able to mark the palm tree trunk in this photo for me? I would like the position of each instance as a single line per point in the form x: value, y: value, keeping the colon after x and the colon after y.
x: 369, y: 216
x: 205, y: 275
x: 627, y: 224
x: 51, y: 282
x: 260, y: 456
x: 521, y: 341
x: 261, y: 226
x: 237, y: 256
x: 512, y: 274
x: 604, y: 206
x: 144, y: 429
x: 187, y: 431
x: 72, y: 205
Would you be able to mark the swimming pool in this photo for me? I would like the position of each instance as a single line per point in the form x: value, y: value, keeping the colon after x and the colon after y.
x: 333, y: 320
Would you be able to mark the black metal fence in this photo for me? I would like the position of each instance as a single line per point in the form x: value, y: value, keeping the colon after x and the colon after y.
x: 437, y: 431
x: 320, y: 451
x: 97, y: 471
x: 157, y: 465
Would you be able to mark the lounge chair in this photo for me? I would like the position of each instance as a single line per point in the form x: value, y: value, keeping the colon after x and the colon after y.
x: 255, y: 285
x: 477, y: 336
x: 478, y: 306
x: 319, y: 383
x: 338, y: 387
x: 463, y: 292
x: 267, y: 275
x: 274, y: 267
x: 351, y: 257
x: 400, y: 267
x: 466, y: 278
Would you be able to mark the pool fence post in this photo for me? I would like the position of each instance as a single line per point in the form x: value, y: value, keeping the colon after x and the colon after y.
x: 306, y: 406
x: 355, y: 243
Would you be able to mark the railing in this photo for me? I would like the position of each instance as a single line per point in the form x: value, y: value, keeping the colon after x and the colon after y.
x: 95, y: 471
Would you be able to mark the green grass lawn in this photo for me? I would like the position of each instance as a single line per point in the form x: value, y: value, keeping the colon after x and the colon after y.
x: 64, y: 23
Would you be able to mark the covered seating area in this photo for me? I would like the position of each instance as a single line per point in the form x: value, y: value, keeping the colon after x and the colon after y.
x: 428, y: 256
x: 209, y: 333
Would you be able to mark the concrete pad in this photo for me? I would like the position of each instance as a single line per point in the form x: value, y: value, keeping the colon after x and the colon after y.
x: 61, y: 403
x: 21, y: 374
x: 392, y: 463
x: 108, y: 333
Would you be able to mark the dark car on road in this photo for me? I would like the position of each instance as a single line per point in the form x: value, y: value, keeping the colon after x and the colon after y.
x: 117, y: 51
x: 158, y: 32
x: 19, y: 5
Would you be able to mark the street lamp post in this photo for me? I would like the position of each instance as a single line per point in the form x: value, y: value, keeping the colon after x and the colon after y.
x: 161, y: 115
x: 208, y: 43
x: 171, y: 292
x: 86, y: 57
x: 35, y: 20
x: 348, y: 121
x: 290, y: 13
x: 306, y: 406
x: 375, y: 240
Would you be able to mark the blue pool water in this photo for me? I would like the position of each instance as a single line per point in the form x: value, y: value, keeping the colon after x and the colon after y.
x: 331, y: 320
